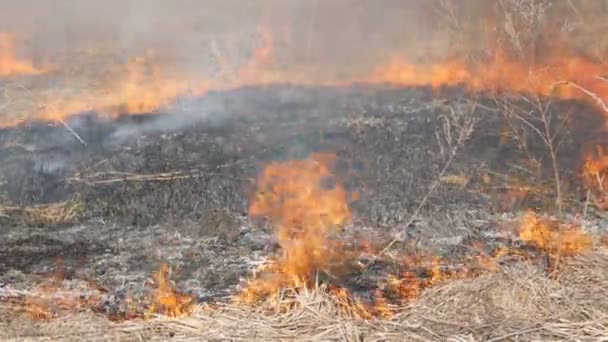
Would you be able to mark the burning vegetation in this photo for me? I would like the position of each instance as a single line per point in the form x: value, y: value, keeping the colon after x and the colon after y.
x: 10, y: 64
x: 345, y: 237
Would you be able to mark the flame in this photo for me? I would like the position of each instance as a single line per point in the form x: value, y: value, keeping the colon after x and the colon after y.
x: 263, y: 56
x: 553, y: 237
x: 55, y: 297
x: 306, y: 213
x: 166, y: 299
x: 502, y: 74
x: 143, y: 87
x: 47, y: 300
x: 595, y: 176
x: 10, y: 64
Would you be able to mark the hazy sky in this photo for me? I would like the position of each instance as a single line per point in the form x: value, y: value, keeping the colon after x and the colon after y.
x: 338, y: 30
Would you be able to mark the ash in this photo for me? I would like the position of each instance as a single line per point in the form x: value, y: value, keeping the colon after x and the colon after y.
x: 173, y: 187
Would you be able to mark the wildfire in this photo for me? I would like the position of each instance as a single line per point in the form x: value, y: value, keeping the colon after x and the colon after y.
x: 142, y: 86
x: 145, y: 85
x: 166, y: 299
x: 502, y: 74
x: 48, y: 299
x: 595, y: 176
x: 307, y: 208
x: 553, y: 237
x: 10, y: 64
x: 306, y: 212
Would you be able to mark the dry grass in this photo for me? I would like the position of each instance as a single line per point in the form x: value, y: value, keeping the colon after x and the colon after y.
x: 515, y: 303
x: 43, y: 215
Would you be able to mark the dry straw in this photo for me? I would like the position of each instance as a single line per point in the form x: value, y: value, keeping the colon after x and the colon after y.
x: 515, y: 303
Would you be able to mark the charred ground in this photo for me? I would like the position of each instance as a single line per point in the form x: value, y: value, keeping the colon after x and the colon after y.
x: 174, y: 186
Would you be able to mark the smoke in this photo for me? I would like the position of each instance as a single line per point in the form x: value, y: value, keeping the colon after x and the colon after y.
x: 346, y: 37
x: 343, y: 31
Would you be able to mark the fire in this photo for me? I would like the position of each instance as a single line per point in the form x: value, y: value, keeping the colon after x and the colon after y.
x: 502, y: 73
x: 142, y: 86
x: 553, y: 237
x: 55, y: 297
x: 166, y: 299
x: 306, y: 213
x: 10, y: 64
x: 595, y: 176
x: 263, y: 56
x: 48, y: 299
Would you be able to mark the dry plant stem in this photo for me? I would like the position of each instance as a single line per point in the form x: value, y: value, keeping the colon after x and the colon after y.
x: 59, y: 120
x: 434, y: 186
x: 594, y: 96
x: 73, y: 132
x: 226, y: 70
x: 549, y: 139
x: 463, y: 135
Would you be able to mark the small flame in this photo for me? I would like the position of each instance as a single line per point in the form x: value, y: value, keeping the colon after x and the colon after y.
x: 553, y: 237
x: 595, y: 176
x: 167, y: 301
x: 47, y: 300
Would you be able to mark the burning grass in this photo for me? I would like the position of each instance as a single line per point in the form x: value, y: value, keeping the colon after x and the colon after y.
x: 10, y: 64
x: 517, y: 302
x: 595, y: 176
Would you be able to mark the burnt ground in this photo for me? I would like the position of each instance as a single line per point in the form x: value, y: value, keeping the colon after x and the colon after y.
x: 173, y: 186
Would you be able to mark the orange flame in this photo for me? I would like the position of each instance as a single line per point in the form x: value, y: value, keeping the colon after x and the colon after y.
x: 553, y: 237
x: 166, y: 300
x: 10, y: 65
x: 142, y: 88
x: 145, y: 85
x: 595, y: 176
x: 502, y: 74
x: 47, y: 300
x: 305, y: 213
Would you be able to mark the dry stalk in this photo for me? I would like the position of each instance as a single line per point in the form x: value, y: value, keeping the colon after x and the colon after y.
x: 523, y: 20
x: 551, y: 138
x: 44, y: 214
x: 457, y: 129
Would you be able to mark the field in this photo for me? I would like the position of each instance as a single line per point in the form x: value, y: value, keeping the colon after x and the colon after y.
x: 438, y: 202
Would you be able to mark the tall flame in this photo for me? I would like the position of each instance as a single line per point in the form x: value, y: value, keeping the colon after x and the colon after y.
x: 595, y: 175
x: 10, y: 65
x: 305, y: 212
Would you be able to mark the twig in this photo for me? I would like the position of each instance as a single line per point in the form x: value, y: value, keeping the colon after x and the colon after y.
x: 72, y: 131
x: 422, y: 203
x: 219, y: 58
x: 586, y: 207
x: 515, y: 333
x: 463, y: 135
x: 594, y: 96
